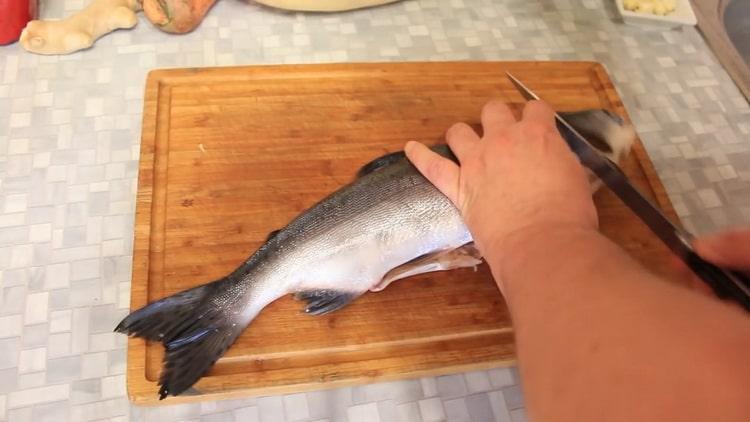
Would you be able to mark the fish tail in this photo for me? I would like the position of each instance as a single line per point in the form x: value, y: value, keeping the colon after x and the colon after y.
x: 196, y: 327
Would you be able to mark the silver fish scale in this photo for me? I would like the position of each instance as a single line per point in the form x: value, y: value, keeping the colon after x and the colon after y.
x: 349, y: 240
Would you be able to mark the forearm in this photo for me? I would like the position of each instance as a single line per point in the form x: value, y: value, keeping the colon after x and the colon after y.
x: 600, y: 338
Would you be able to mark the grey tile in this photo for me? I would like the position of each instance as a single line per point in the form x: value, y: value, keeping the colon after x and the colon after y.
x: 364, y: 413
x: 94, y: 365
x: 330, y: 404
x: 113, y: 386
x: 37, y: 307
x: 516, y: 375
x: 8, y: 380
x: 85, y: 391
x: 16, y: 277
x: 99, y: 410
x: 51, y: 412
x: 218, y: 417
x: 408, y: 412
x: 247, y: 414
x: 295, y: 407
x: 63, y: 369
x: 456, y: 410
x: 85, y: 292
x: 20, y: 414
x: 13, y: 300
x: 116, y: 360
x: 401, y: 391
x: 85, y: 269
x: 387, y: 410
x: 31, y: 380
x: 38, y: 395
x: 499, y: 406
x: 429, y: 387
x: 104, y: 318
x: 35, y: 335
x: 513, y: 397
x: 477, y: 381
x: 479, y: 407
x: 431, y: 410
x: 59, y: 299
x: 9, y: 352
x: 60, y: 321
x: 501, y: 377
x: 518, y: 415
x: 319, y: 404
x: 80, y: 330
x: 450, y: 386
x: 11, y: 326
x: 271, y: 409
x: 32, y: 360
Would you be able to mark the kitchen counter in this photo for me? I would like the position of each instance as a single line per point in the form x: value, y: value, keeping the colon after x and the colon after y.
x: 69, y: 141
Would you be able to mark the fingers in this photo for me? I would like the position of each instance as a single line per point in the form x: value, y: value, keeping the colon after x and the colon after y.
x: 540, y: 113
x: 461, y: 138
x: 496, y: 117
x: 728, y: 249
x: 440, y: 171
x: 685, y: 273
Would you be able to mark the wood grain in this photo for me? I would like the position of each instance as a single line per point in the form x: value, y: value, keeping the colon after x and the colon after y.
x: 710, y: 14
x: 231, y: 154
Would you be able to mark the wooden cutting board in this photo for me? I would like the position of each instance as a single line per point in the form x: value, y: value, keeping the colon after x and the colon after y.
x: 230, y: 154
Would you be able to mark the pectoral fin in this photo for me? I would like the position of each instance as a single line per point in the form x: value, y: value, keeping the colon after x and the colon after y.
x: 321, y: 302
x: 462, y: 257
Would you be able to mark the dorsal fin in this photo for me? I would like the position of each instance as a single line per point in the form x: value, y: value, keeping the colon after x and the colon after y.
x: 272, y: 235
x: 380, y: 162
x: 393, y: 157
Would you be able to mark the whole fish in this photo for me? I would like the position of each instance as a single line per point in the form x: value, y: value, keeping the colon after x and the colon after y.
x: 388, y: 224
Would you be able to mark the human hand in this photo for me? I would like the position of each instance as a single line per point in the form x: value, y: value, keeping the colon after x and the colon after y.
x: 519, y: 177
x: 728, y: 249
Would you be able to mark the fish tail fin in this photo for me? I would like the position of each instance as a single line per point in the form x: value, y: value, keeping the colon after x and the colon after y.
x: 196, y: 327
x: 606, y: 131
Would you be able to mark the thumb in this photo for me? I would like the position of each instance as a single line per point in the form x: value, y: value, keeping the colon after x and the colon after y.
x: 728, y: 249
x: 440, y: 171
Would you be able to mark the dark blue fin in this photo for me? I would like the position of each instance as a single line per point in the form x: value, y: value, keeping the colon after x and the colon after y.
x: 321, y: 302
x: 195, y: 327
x: 593, y: 125
x: 272, y: 235
x: 397, y: 156
x: 381, y: 162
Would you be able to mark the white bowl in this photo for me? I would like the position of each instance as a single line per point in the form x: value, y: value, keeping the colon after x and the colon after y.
x: 683, y: 15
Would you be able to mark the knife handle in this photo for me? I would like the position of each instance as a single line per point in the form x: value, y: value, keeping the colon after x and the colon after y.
x: 726, y: 284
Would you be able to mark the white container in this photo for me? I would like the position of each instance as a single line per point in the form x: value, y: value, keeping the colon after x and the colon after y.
x: 683, y: 15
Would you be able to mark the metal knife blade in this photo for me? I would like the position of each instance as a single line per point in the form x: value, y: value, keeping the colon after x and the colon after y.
x: 725, y: 283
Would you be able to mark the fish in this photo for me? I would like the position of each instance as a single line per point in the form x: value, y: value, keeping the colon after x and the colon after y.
x: 388, y: 224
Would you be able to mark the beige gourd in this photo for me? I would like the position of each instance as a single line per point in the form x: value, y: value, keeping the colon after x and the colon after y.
x: 80, y: 30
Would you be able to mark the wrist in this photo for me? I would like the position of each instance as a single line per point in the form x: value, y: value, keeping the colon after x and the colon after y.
x: 530, y: 246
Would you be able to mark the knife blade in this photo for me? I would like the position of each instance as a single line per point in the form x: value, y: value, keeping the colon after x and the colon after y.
x: 724, y: 282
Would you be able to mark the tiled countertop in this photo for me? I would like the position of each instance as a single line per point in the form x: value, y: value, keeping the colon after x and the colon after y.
x: 69, y: 136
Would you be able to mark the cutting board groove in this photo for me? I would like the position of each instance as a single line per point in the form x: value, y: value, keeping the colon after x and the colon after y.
x: 230, y: 154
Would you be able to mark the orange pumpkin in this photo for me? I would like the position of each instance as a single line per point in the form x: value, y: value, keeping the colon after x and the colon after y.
x: 176, y: 16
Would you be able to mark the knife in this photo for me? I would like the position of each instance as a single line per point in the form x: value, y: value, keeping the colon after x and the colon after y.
x: 727, y: 284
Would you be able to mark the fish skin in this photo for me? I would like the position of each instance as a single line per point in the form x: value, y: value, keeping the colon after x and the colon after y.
x: 388, y: 217
x: 348, y: 241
